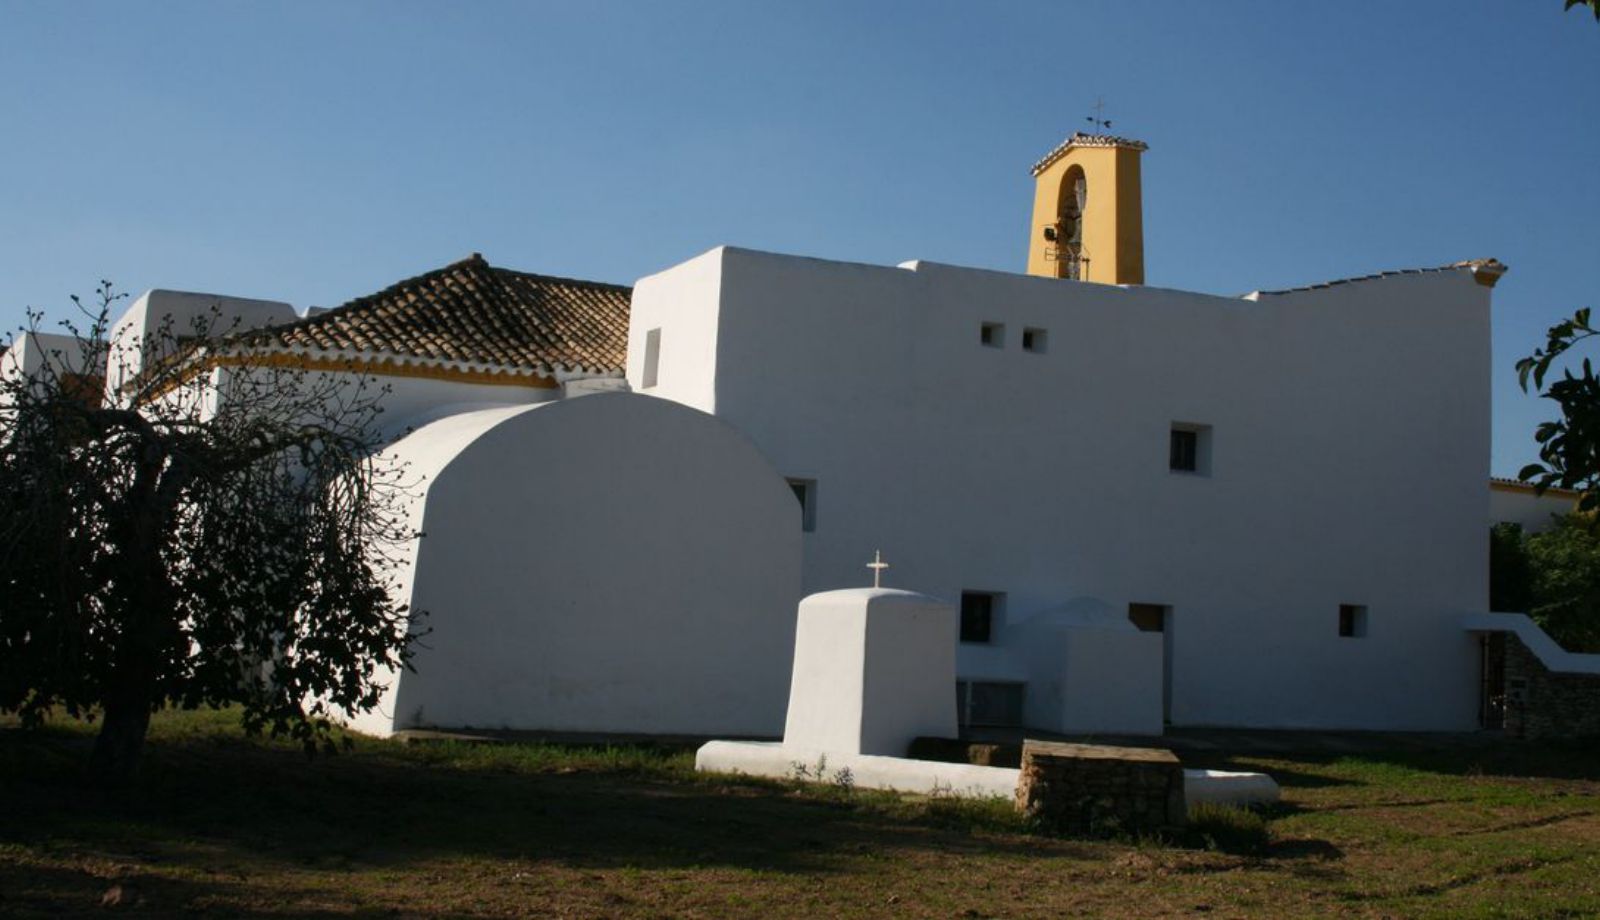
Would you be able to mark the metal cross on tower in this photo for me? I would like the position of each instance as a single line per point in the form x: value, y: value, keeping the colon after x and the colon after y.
x: 877, y: 565
x: 1098, y: 119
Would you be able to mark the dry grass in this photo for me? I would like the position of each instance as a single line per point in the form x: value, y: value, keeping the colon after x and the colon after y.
x: 229, y: 827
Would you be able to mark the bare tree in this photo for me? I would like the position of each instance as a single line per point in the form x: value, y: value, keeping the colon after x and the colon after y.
x: 216, y: 530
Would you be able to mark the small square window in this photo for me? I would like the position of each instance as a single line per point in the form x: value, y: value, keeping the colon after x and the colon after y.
x: 1189, y: 449
x: 978, y: 613
x: 652, y: 359
x: 1148, y: 617
x: 1034, y: 340
x: 805, y: 491
x: 1352, y: 621
x: 992, y: 335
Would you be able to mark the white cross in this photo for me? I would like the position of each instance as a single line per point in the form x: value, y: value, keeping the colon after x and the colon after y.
x: 877, y: 565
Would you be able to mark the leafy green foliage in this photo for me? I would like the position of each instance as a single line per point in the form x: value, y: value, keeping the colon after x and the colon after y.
x: 1565, y: 562
x: 1569, y: 446
x: 1593, y: 5
x: 1553, y: 576
x: 1510, y: 570
x: 216, y: 531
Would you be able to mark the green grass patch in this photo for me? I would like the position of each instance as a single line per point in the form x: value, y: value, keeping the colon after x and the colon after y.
x: 1228, y: 829
x: 225, y: 825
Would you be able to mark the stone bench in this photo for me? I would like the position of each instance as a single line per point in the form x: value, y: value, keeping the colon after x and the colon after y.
x: 1095, y: 789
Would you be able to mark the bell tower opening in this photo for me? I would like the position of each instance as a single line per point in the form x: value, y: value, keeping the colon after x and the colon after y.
x: 1089, y: 237
x: 1067, y: 231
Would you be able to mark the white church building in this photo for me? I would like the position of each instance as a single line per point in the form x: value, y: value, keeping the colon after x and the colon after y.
x: 1152, y: 507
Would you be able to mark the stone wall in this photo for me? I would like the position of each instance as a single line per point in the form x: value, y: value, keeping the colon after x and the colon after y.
x: 1093, y: 789
x: 1542, y: 704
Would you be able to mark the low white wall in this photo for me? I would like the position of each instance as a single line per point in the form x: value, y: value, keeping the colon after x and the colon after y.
x: 1547, y: 650
x: 866, y: 771
x: 780, y: 761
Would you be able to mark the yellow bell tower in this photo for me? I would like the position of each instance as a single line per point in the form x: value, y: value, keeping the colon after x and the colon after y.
x: 1088, y: 215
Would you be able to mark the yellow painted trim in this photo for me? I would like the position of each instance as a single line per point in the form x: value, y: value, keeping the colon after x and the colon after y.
x: 386, y: 367
x: 1524, y: 489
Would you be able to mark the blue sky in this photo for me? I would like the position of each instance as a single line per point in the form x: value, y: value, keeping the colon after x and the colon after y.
x: 317, y: 152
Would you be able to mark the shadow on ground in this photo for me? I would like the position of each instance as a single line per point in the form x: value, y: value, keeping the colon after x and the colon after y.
x: 249, y: 803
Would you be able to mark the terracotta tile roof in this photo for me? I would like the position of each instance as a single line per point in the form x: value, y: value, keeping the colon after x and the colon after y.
x: 1080, y: 139
x: 1487, y: 271
x: 473, y: 315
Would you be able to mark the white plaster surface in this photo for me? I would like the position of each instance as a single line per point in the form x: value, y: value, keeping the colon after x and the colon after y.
x: 874, y: 668
x: 32, y: 352
x: 1350, y: 444
x: 867, y: 771
x: 780, y: 761
x: 1547, y: 650
x: 1090, y: 670
x: 1223, y: 787
x: 1535, y: 513
x: 614, y: 563
x: 181, y: 313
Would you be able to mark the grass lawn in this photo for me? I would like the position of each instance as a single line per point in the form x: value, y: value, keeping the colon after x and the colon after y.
x: 225, y: 826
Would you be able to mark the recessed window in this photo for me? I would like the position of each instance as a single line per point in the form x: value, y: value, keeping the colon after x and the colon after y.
x: 991, y: 703
x: 1352, y: 621
x: 1189, y: 449
x: 805, y: 490
x: 1148, y: 617
x: 652, y: 358
x: 992, y: 335
x: 1034, y: 340
x: 979, y: 610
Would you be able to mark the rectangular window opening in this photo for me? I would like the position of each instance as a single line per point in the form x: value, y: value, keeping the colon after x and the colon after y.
x: 979, y: 611
x: 1189, y: 449
x: 992, y: 334
x: 805, y: 491
x: 1034, y: 340
x: 1352, y: 621
x: 1148, y: 617
x: 652, y: 358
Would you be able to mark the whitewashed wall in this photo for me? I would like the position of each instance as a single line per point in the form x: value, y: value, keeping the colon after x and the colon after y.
x: 1514, y: 504
x: 181, y: 313
x: 614, y: 563
x: 1350, y: 451
x: 407, y: 403
x: 32, y: 352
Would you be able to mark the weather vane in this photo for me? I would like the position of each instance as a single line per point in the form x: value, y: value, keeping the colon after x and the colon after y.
x: 1098, y: 119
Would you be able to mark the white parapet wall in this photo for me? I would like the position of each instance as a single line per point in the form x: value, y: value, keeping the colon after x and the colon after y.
x: 1546, y: 649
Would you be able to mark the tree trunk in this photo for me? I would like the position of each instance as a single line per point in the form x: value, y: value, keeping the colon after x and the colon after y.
x: 131, y: 691
x: 117, y: 749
